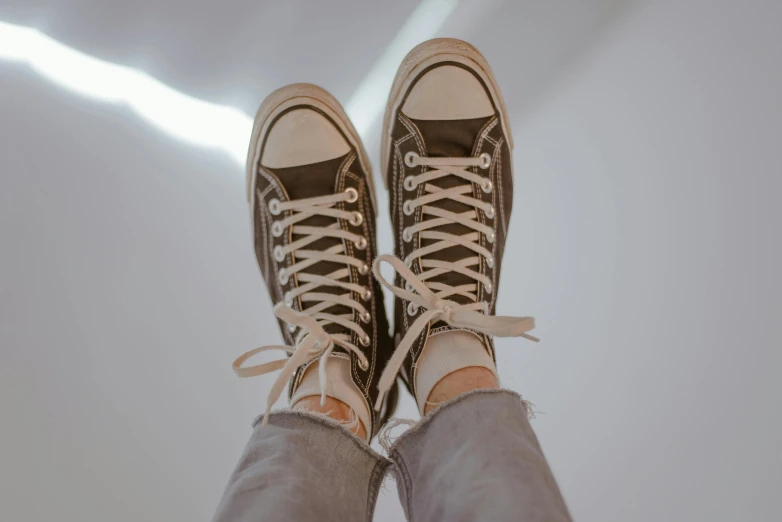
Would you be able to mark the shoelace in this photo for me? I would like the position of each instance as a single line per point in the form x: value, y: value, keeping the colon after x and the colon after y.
x: 432, y: 296
x: 312, y: 340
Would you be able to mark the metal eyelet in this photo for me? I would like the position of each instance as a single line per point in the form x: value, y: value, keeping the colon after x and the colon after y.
x: 488, y: 288
x: 486, y: 185
x: 485, y: 160
x: 363, y: 269
x: 274, y: 207
x: 279, y: 255
x: 490, y: 261
x: 365, y: 341
x: 365, y: 317
x: 410, y: 158
x: 412, y: 308
x: 366, y: 295
x: 358, y: 218
x: 282, y: 276
x: 292, y: 328
x: 277, y: 229
x: 352, y: 194
x: 408, y: 286
x: 361, y: 244
x: 288, y: 299
x: 409, y: 183
x: 407, y: 235
x: 489, y: 213
x: 490, y: 237
x: 408, y: 207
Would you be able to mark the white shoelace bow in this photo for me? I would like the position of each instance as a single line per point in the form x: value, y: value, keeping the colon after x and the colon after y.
x: 312, y: 340
x: 432, y: 296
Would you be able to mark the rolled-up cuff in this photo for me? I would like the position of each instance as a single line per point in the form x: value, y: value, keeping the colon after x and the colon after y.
x: 303, y: 467
x: 476, y: 458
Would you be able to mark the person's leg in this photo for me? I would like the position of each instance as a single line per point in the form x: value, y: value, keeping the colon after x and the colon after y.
x: 476, y: 458
x: 446, y: 155
x: 458, y: 382
x: 312, y: 205
x: 337, y: 410
x: 301, y: 467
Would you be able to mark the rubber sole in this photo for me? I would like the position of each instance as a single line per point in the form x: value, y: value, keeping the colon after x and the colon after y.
x: 423, y: 56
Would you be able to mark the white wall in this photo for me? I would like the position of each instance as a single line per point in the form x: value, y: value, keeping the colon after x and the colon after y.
x: 649, y: 184
x: 645, y: 240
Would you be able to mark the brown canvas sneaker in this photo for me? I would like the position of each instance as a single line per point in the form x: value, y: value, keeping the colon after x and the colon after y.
x: 312, y: 207
x: 446, y: 160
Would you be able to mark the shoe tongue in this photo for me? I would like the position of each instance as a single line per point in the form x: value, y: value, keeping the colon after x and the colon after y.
x: 309, y: 181
x: 451, y: 138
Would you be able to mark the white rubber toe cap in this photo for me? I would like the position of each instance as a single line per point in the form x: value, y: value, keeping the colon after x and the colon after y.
x: 447, y: 93
x: 300, y: 137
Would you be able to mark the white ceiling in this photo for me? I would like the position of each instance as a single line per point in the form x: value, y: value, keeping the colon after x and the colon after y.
x: 645, y: 241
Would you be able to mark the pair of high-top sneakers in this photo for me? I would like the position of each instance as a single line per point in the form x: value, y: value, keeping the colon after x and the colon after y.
x: 446, y: 162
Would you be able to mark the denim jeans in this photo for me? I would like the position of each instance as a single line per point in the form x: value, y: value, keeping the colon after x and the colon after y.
x: 475, y: 458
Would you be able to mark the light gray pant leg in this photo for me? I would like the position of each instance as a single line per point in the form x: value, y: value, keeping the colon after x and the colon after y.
x: 476, y: 459
x: 302, y: 468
